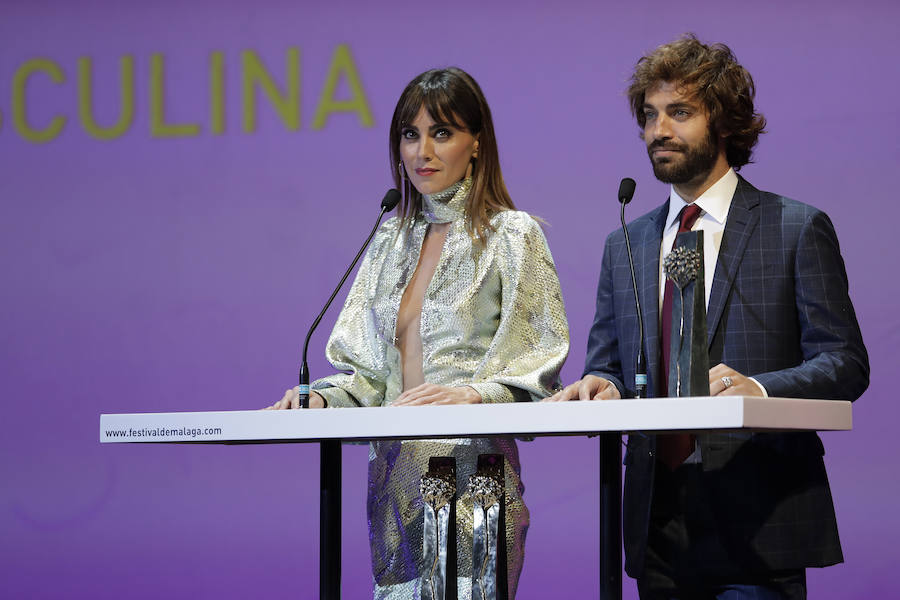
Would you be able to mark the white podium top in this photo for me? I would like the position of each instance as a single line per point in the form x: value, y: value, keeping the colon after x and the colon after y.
x: 528, y: 419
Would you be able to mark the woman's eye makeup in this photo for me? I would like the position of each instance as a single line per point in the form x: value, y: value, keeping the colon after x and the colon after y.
x: 439, y: 132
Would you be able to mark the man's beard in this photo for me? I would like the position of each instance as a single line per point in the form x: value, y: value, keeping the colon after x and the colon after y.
x: 694, y: 162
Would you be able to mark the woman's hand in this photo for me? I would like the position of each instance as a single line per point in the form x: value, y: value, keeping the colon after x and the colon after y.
x: 291, y: 399
x: 430, y: 393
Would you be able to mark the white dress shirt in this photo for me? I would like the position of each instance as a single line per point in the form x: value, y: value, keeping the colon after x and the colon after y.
x: 715, y: 203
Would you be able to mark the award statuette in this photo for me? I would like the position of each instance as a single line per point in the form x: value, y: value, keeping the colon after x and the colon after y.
x: 488, y: 549
x: 689, y: 363
x: 439, y: 534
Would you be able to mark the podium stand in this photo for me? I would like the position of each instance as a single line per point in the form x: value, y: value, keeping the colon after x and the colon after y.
x: 609, y: 418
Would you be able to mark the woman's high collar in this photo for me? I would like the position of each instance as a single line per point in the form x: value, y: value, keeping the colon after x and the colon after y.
x: 447, y: 205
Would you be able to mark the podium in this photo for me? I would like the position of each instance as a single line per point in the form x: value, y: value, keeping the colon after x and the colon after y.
x: 610, y: 419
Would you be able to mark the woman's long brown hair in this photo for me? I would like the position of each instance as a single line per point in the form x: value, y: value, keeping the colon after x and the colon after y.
x: 452, y: 96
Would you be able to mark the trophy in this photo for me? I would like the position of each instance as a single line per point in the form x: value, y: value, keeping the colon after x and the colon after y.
x: 489, y: 573
x: 438, y: 490
x: 689, y: 356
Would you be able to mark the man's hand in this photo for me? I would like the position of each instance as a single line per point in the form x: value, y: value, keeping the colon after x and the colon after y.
x: 725, y: 381
x: 589, y: 387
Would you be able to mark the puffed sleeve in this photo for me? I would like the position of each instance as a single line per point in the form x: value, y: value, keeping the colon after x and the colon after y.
x: 355, y: 346
x: 532, y: 340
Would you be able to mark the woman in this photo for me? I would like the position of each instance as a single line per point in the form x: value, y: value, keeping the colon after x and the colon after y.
x: 456, y: 302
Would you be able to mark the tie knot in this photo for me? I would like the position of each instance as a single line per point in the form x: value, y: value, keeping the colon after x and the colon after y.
x: 688, y: 217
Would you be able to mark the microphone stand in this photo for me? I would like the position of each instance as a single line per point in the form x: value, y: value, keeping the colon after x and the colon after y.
x: 610, y: 453
x: 330, y: 451
x: 640, y: 363
x: 391, y: 198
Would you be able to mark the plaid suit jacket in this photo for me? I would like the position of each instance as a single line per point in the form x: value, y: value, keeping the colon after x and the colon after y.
x: 779, y: 311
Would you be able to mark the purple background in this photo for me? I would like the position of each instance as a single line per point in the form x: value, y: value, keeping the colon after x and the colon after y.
x: 146, y: 275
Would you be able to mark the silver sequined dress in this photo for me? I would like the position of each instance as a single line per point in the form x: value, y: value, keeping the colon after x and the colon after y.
x: 492, y: 318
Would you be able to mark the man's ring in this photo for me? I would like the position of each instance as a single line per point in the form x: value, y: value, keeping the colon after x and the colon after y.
x: 727, y: 381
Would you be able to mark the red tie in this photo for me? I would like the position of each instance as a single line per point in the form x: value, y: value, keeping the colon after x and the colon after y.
x: 673, y: 448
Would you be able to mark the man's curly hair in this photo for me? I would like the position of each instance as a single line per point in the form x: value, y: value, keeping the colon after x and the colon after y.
x: 712, y: 75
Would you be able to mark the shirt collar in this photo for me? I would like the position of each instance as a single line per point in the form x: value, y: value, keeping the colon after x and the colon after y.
x: 714, y: 202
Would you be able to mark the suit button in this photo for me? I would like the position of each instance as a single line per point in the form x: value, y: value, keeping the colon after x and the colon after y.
x: 650, y: 454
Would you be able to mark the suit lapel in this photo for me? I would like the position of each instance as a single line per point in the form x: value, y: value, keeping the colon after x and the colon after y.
x: 739, y: 226
x: 647, y: 274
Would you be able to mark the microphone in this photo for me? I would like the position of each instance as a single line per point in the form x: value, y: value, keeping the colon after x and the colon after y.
x: 626, y: 192
x: 390, y: 200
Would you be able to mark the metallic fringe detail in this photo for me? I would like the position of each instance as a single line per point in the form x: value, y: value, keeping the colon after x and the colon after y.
x: 486, y: 489
x: 438, y: 490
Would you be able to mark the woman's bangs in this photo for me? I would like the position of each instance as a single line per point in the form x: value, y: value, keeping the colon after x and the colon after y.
x: 440, y: 108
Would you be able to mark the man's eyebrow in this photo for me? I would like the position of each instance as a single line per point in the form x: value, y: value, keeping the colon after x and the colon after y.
x: 681, y: 104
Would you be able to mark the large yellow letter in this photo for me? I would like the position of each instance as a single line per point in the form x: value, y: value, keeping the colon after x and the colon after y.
x: 217, y: 92
x: 158, y: 125
x: 287, y: 105
x: 342, y: 62
x: 86, y: 99
x: 20, y: 120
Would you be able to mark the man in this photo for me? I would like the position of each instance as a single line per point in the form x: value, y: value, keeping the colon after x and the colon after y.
x: 722, y: 515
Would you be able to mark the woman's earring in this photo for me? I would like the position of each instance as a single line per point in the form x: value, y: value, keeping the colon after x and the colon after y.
x: 404, y: 180
x: 470, y: 168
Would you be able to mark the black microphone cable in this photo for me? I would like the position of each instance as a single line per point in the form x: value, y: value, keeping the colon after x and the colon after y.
x: 626, y: 193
